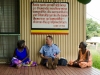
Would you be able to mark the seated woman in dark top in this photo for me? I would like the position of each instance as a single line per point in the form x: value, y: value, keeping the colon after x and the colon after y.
x: 21, y: 53
x: 84, y: 57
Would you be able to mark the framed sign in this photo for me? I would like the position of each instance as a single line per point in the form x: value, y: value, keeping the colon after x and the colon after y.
x: 49, y: 18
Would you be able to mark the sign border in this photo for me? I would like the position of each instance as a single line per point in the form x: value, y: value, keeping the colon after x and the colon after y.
x: 50, y: 30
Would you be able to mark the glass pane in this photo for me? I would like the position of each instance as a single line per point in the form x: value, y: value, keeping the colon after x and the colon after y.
x: 7, y: 45
x: 9, y: 16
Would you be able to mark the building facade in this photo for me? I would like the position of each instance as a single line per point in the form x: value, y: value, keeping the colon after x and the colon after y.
x: 68, y: 44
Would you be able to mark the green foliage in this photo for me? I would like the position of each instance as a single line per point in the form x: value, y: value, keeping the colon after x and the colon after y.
x: 92, y: 28
x: 95, y: 58
x: 84, y: 1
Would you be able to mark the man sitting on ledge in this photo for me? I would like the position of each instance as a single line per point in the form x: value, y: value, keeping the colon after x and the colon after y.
x: 50, y: 53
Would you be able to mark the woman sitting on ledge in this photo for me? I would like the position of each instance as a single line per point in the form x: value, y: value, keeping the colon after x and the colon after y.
x: 84, y: 57
x: 21, y: 56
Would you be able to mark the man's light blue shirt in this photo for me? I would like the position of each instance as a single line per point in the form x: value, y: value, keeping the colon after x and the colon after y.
x: 50, y: 51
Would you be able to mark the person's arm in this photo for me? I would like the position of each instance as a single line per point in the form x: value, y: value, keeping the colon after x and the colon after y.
x: 27, y: 50
x: 57, y: 56
x: 87, y: 56
x: 58, y: 52
x: 43, y: 57
x: 42, y: 53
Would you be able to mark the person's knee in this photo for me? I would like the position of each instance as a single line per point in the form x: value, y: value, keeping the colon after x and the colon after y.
x: 83, y: 64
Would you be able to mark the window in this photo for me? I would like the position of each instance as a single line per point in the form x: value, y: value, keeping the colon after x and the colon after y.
x: 7, y: 45
x: 91, y: 43
x: 94, y: 43
x: 9, y: 17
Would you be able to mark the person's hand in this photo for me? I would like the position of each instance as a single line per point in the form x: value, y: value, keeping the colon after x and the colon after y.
x: 46, y: 57
x: 77, y: 61
x: 25, y: 46
x: 20, y: 61
x: 80, y: 61
x: 56, y: 56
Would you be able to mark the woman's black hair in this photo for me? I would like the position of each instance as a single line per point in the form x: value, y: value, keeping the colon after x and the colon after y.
x: 20, y: 43
x: 84, y: 44
x: 23, y: 41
